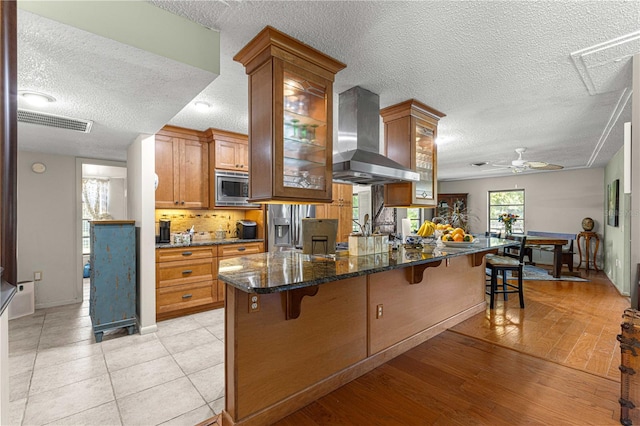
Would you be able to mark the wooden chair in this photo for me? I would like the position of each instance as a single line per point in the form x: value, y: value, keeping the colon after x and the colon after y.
x: 567, y: 255
x: 511, y: 251
x: 500, y: 265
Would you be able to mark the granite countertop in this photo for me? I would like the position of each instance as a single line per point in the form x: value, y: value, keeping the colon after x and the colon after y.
x: 273, y: 272
x: 209, y: 242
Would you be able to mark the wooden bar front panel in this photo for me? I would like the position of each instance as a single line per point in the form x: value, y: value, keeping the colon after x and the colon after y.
x: 273, y: 358
x: 411, y: 308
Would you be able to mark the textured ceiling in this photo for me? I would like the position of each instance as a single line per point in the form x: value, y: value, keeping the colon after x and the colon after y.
x: 553, y: 77
x: 125, y: 91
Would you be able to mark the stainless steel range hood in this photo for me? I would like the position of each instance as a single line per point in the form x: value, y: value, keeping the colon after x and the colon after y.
x: 357, y: 160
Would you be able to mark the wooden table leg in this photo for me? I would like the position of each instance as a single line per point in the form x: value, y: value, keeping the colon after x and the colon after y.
x: 557, y: 260
x: 580, y: 252
x: 595, y: 265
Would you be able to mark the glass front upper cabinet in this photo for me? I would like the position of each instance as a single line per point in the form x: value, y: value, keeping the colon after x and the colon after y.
x: 305, y: 134
x: 410, y: 130
x: 290, y: 120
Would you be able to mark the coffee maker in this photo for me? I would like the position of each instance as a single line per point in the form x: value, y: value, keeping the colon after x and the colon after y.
x: 165, y: 231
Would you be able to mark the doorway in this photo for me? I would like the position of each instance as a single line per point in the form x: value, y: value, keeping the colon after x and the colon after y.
x: 102, y: 195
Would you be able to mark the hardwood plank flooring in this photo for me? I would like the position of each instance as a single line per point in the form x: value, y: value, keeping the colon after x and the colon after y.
x: 553, y: 363
x: 572, y: 323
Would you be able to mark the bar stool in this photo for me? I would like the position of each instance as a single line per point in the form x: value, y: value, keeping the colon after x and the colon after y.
x: 501, y: 264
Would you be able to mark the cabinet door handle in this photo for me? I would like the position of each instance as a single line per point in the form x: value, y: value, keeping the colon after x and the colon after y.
x: 182, y: 202
x: 177, y: 202
x: 186, y: 271
x: 186, y: 253
x: 241, y: 249
x: 187, y: 296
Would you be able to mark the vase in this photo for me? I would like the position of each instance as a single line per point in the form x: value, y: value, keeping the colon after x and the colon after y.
x: 508, y: 228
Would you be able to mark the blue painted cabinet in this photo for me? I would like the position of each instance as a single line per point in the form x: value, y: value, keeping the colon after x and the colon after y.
x: 112, y: 295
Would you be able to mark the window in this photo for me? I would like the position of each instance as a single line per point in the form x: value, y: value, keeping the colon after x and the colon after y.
x: 355, y: 213
x: 95, y: 201
x: 511, y: 202
x: 416, y: 216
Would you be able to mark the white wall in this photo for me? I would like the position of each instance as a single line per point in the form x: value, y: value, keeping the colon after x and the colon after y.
x: 141, y: 208
x: 117, y: 198
x: 613, y: 237
x: 47, y: 227
x: 634, y: 216
x: 554, y: 201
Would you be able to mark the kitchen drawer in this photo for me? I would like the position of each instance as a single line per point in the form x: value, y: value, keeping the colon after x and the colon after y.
x: 187, y: 296
x: 185, y: 271
x: 228, y: 250
x: 185, y: 253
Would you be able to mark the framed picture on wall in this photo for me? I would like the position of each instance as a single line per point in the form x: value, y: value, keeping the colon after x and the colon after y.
x: 613, y: 202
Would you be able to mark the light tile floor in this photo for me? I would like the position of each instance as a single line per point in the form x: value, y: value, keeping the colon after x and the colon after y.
x: 61, y: 376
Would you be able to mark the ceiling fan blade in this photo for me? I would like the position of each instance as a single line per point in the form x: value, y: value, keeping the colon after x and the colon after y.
x: 547, y: 166
x: 536, y: 164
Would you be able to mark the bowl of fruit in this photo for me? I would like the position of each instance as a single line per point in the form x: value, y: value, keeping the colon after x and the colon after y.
x: 457, y: 238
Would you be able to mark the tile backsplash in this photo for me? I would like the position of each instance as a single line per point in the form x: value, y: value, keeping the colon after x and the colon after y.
x: 207, y: 221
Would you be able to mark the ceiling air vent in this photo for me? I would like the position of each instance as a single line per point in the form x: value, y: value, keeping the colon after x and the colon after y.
x: 58, y: 121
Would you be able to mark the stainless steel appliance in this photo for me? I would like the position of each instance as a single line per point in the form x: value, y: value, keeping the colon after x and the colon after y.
x: 284, y: 223
x: 357, y: 160
x: 246, y: 229
x: 232, y: 189
x: 319, y: 236
x: 165, y: 231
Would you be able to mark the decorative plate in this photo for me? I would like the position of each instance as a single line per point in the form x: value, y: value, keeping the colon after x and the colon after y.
x: 459, y: 243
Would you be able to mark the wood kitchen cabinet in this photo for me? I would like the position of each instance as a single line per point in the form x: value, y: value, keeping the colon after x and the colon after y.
x: 186, y: 277
x: 230, y: 150
x: 182, y: 166
x: 341, y: 208
x: 186, y: 281
x: 410, y: 130
x: 291, y: 118
x: 226, y: 251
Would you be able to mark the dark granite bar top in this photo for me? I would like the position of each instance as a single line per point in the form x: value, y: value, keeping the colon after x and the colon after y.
x: 209, y: 243
x: 273, y: 272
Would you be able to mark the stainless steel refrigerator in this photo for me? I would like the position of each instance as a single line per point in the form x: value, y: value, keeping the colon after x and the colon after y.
x: 284, y: 222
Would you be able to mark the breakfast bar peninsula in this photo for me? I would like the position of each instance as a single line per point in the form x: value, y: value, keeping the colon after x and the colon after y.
x: 298, y: 326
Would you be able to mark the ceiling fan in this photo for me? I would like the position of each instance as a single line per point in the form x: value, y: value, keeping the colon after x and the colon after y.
x: 520, y: 165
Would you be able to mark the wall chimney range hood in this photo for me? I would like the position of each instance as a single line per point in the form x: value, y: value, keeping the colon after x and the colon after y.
x: 357, y: 160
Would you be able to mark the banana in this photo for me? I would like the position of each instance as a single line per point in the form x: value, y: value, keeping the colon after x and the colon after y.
x: 427, y: 228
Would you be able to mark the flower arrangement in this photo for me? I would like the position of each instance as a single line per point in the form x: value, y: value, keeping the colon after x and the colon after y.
x: 508, y: 219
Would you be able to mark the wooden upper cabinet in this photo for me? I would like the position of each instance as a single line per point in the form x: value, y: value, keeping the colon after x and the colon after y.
x: 410, y: 130
x: 291, y: 119
x: 182, y: 166
x: 230, y: 150
x: 341, y: 208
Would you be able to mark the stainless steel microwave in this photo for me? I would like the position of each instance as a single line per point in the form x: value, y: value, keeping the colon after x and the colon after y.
x: 232, y: 189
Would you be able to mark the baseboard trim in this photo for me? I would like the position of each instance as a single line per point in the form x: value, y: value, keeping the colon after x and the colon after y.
x: 148, y: 329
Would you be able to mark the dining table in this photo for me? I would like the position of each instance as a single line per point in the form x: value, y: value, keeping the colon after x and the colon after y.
x: 556, y: 242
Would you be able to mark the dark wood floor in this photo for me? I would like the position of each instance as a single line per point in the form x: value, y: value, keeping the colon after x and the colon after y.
x: 553, y: 363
